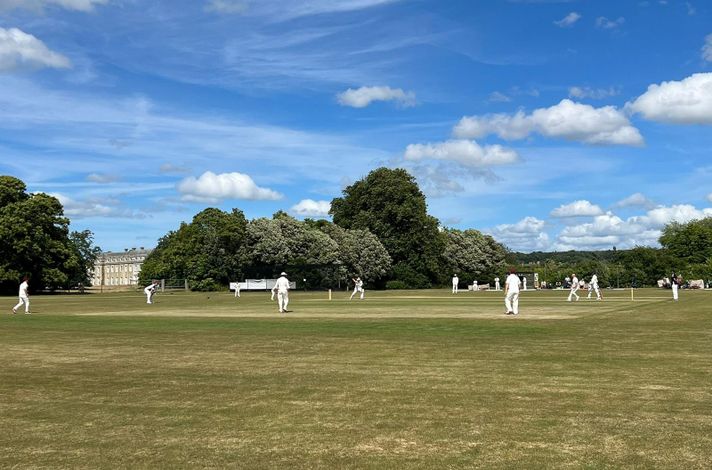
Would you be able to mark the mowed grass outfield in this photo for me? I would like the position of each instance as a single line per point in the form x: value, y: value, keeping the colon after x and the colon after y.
x: 409, y: 379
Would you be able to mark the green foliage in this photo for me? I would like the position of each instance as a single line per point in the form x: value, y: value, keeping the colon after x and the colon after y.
x: 389, y: 204
x: 473, y: 255
x: 360, y: 253
x: 34, y: 240
x: 690, y: 242
x: 86, y: 254
x: 393, y: 285
x: 207, y: 248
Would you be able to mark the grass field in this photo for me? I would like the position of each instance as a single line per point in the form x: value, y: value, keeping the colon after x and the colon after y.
x: 419, y: 379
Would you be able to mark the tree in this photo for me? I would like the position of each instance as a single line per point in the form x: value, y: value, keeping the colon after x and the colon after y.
x: 473, y: 255
x: 360, y: 252
x: 34, y: 238
x: 86, y: 254
x: 204, y: 251
x: 389, y: 204
x: 690, y: 242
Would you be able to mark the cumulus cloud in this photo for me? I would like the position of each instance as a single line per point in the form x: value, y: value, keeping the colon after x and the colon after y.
x: 604, y: 23
x: 311, y: 208
x: 635, y: 200
x: 567, y: 120
x: 81, y: 209
x: 498, y: 97
x: 39, y: 5
x: 364, y: 96
x: 568, y: 20
x: 21, y: 50
x: 688, y: 101
x: 212, y: 188
x: 526, y: 235
x: 707, y: 49
x: 593, y: 93
x: 467, y: 153
x: 609, y: 230
x: 581, y: 208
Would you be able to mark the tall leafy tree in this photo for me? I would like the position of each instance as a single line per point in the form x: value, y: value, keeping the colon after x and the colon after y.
x: 204, y: 251
x: 86, y: 254
x: 34, y: 238
x: 473, y: 255
x: 389, y: 204
x: 690, y: 242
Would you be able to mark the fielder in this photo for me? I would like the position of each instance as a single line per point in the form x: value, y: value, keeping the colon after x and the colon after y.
x: 593, y: 287
x: 150, y: 290
x: 455, y: 282
x: 511, y: 293
x: 524, y: 283
x: 358, y: 287
x: 574, y: 288
x: 496, y: 283
x: 24, y: 296
x: 237, y: 289
x: 675, y: 284
x: 475, y: 287
x: 281, y: 288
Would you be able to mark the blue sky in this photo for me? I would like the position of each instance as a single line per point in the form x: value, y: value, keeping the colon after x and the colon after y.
x: 552, y: 125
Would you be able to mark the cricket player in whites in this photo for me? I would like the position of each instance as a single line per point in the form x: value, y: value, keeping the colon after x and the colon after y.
x: 150, y: 290
x: 281, y: 288
x: 574, y: 288
x: 24, y: 296
x: 511, y: 293
x: 496, y: 284
x: 593, y: 287
x: 358, y: 287
x: 455, y: 282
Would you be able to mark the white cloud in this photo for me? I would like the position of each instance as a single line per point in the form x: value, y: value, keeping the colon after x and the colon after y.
x: 681, y: 102
x: 707, y: 48
x: 290, y: 9
x: 604, y: 23
x: 569, y: 20
x: 581, y: 208
x: 709, y: 197
x: 609, y: 230
x: 170, y: 168
x: 467, y: 153
x: 526, y: 235
x: 691, y: 10
x: 311, y: 208
x: 567, y: 120
x: 364, y: 96
x: 81, y: 209
x: 593, y: 93
x: 662, y: 215
x: 499, y: 97
x: 21, y: 50
x: 227, y: 6
x: 39, y: 5
x: 635, y: 200
x: 211, y: 187
x: 102, y: 178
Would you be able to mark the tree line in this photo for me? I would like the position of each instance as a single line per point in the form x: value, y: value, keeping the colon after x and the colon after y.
x: 380, y: 232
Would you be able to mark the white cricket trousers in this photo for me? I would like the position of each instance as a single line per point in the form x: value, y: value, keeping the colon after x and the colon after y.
x: 674, y: 291
x: 149, y: 297
x: 511, y: 302
x: 573, y: 294
x: 23, y: 300
x: 356, y: 289
x: 283, y: 301
x: 454, y: 288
